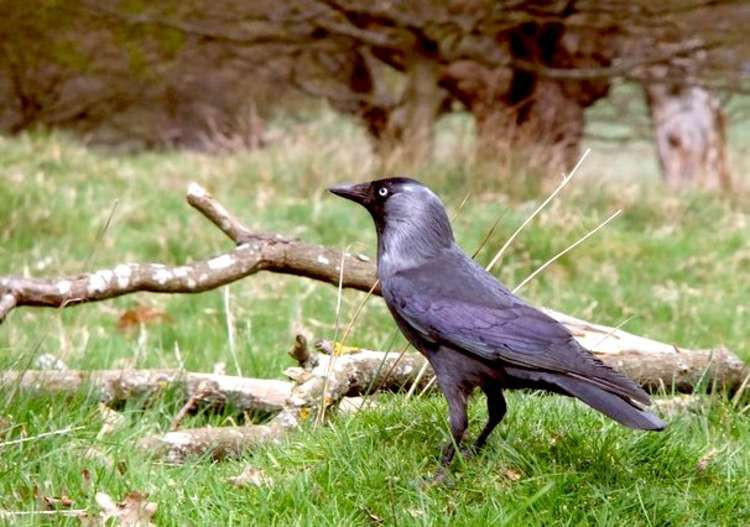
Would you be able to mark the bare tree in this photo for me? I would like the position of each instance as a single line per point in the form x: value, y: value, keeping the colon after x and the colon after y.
x: 525, y: 70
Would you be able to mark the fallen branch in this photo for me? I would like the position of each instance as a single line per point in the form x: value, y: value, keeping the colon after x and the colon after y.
x: 656, y: 369
x: 255, y: 252
x: 350, y: 375
x: 219, y: 443
x: 112, y: 386
x: 66, y: 430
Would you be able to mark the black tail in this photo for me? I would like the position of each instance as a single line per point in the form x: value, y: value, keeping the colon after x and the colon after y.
x: 618, y: 407
x: 610, y: 404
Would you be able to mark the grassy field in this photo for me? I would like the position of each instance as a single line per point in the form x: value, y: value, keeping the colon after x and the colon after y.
x: 675, y: 266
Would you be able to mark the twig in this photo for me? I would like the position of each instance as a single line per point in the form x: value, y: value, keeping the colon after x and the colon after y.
x: 561, y: 186
x: 230, y: 331
x: 566, y: 250
x: 112, y: 386
x: 301, y: 353
x: 204, y: 390
x: 61, y: 512
x: 204, y: 202
x: 614, y: 329
x: 339, y: 298
x: 738, y: 395
x: 461, y: 206
x: 62, y: 431
x: 413, y: 387
x: 427, y: 387
x: 489, y: 233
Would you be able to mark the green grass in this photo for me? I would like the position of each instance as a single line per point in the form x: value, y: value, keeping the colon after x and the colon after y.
x: 676, y: 265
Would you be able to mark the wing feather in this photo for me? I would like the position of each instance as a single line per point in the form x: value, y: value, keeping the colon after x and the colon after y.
x: 477, y: 314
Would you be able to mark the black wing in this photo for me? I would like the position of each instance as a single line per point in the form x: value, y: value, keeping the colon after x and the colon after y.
x: 451, y: 299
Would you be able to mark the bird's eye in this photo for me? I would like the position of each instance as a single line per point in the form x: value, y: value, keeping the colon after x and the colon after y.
x: 383, y: 192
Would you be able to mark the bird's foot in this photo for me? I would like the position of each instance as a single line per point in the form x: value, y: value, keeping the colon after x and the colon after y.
x: 441, y: 477
x: 469, y: 451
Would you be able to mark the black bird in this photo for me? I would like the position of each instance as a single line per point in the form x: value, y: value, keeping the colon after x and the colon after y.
x: 472, y: 329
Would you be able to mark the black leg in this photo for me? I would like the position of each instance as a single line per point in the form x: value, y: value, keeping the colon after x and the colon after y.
x: 458, y: 420
x: 496, y: 411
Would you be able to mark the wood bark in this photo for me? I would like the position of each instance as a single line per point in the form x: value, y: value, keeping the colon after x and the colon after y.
x: 113, y: 386
x: 690, y: 135
x: 652, y: 364
x: 331, y: 380
x: 217, y: 442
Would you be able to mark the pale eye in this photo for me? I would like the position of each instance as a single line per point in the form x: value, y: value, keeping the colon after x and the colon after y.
x: 383, y: 192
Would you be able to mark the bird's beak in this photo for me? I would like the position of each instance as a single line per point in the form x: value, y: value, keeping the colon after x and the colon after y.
x: 357, y: 193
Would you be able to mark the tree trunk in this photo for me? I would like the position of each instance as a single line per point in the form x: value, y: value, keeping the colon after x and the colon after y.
x: 690, y: 134
x: 406, y: 140
x: 519, y: 110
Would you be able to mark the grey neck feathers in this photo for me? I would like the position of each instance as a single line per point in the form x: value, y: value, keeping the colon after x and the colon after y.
x: 411, y: 234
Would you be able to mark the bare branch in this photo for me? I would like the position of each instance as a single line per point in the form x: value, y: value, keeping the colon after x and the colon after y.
x: 218, y: 214
x: 219, y: 442
x: 256, y: 252
x: 112, y: 386
x: 349, y: 374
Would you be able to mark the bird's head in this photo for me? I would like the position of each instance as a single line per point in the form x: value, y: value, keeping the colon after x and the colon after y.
x: 409, y: 217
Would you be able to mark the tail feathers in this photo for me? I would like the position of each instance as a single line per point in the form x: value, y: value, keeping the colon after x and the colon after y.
x: 610, y: 404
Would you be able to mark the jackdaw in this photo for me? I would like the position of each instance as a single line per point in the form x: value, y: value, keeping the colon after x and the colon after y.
x: 469, y: 326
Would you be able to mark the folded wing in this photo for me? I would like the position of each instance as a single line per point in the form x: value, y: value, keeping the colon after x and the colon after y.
x: 476, y: 314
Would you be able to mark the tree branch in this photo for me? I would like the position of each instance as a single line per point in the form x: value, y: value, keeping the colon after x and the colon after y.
x: 337, y: 376
x: 112, y: 386
x: 255, y: 252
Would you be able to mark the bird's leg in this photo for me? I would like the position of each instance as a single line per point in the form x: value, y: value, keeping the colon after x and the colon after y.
x: 496, y: 411
x: 458, y: 421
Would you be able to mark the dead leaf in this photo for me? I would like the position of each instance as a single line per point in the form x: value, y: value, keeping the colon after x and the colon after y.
x: 141, y: 315
x: 512, y: 474
x: 251, y: 476
x: 86, y: 475
x: 706, y: 460
x: 133, y: 511
x: 53, y: 503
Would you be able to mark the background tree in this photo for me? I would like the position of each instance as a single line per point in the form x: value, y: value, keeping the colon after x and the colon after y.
x: 200, y: 73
